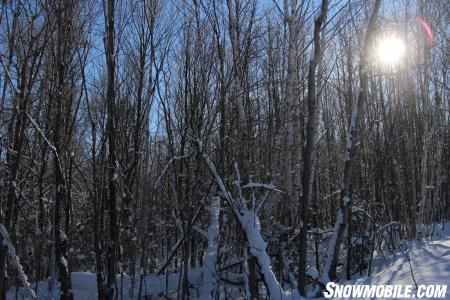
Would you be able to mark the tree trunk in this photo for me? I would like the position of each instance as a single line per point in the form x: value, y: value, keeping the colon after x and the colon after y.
x: 336, y: 240
x: 309, y: 153
x: 113, y: 243
x: 60, y: 186
x: 290, y: 98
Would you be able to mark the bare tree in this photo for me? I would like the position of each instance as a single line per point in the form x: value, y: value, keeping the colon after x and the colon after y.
x: 311, y: 136
x: 357, y: 109
x: 101, y: 170
x: 113, y: 243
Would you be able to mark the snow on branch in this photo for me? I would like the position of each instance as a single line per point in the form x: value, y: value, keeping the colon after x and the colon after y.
x: 200, y: 231
x: 167, y: 166
x: 15, y: 262
x: 252, y: 185
x: 262, y: 202
x: 390, y: 224
x: 213, y: 170
x: 250, y: 224
x: 331, y: 248
x: 42, y: 134
x: 237, y: 183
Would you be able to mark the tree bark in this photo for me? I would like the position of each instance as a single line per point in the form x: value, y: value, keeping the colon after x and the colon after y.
x: 309, y: 153
x: 113, y: 243
x: 290, y: 98
x: 336, y: 240
x: 60, y: 186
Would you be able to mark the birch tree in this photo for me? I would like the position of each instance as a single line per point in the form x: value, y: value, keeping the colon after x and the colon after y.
x: 357, y: 109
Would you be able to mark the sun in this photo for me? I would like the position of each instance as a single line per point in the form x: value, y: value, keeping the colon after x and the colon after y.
x: 390, y: 50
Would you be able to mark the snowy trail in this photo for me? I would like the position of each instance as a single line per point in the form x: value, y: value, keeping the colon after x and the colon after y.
x: 430, y: 261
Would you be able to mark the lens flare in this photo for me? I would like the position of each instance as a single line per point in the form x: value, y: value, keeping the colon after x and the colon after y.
x: 426, y: 29
x: 390, y: 50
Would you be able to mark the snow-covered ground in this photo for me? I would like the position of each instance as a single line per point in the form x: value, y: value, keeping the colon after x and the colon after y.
x: 430, y: 262
x: 84, y: 286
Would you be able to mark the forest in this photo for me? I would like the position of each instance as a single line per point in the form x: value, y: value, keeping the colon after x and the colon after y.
x: 217, y: 149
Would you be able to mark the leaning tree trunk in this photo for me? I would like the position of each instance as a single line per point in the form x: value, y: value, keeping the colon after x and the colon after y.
x: 335, y: 242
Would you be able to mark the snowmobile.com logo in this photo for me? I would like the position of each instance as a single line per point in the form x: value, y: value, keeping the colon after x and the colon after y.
x: 333, y: 290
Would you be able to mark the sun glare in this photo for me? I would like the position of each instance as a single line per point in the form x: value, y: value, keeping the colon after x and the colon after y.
x: 390, y: 50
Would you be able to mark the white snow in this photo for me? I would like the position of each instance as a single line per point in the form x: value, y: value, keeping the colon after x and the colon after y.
x: 115, y: 177
x: 63, y: 261
x: 210, y: 257
x: 430, y: 262
x: 62, y: 236
x: 84, y: 286
x: 339, y: 220
x: 346, y: 200
x: 251, y: 226
x: 15, y: 262
x: 313, y: 273
x: 252, y: 184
